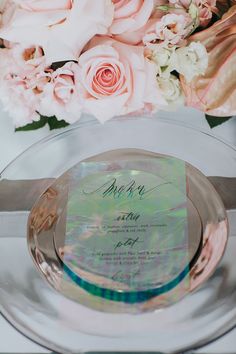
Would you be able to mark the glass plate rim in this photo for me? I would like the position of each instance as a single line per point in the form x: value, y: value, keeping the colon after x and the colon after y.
x: 93, y: 122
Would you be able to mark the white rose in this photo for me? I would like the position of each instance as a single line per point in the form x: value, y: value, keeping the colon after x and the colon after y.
x: 163, y: 57
x: 171, y: 90
x: 191, y: 61
x: 194, y: 13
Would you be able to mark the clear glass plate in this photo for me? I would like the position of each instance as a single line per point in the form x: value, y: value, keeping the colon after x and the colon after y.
x: 61, y: 324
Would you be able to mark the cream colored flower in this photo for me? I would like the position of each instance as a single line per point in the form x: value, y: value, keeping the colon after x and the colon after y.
x: 191, y: 61
x: 163, y: 58
x: 171, y: 90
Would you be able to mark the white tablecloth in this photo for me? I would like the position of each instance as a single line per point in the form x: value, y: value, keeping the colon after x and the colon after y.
x: 12, y: 144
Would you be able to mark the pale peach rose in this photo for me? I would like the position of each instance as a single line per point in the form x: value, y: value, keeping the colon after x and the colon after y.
x: 61, y: 96
x: 25, y: 63
x: 171, y: 91
x: 171, y: 29
x: 215, y: 92
x: 19, y: 102
x: 117, y: 79
x: 27, y: 60
x: 62, y: 28
x: 21, y: 86
x: 130, y: 15
x: 135, y: 37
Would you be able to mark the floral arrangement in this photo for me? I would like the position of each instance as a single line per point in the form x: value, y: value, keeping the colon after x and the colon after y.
x: 61, y: 58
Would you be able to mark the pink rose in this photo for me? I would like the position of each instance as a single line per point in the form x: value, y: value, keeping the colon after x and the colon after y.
x: 61, y: 96
x: 130, y: 15
x: 61, y: 27
x: 117, y: 79
x: 171, y: 29
x: 135, y: 37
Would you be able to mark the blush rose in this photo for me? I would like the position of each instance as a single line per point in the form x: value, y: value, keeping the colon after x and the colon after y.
x: 130, y: 15
x: 117, y: 79
x: 61, y: 27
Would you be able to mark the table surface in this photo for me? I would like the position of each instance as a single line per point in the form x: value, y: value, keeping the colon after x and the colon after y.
x: 12, y: 144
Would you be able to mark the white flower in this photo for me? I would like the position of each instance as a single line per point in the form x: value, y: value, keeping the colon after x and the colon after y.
x: 194, y: 12
x: 171, y: 90
x: 191, y: 61
x: 163, y: 58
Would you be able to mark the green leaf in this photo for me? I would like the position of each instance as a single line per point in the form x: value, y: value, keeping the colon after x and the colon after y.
x: 60, y: 64
x: 34, y: 125
x: 164, y: 8
x: 214, y: 121
x: 56, y: 124
x: 51, y: 121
